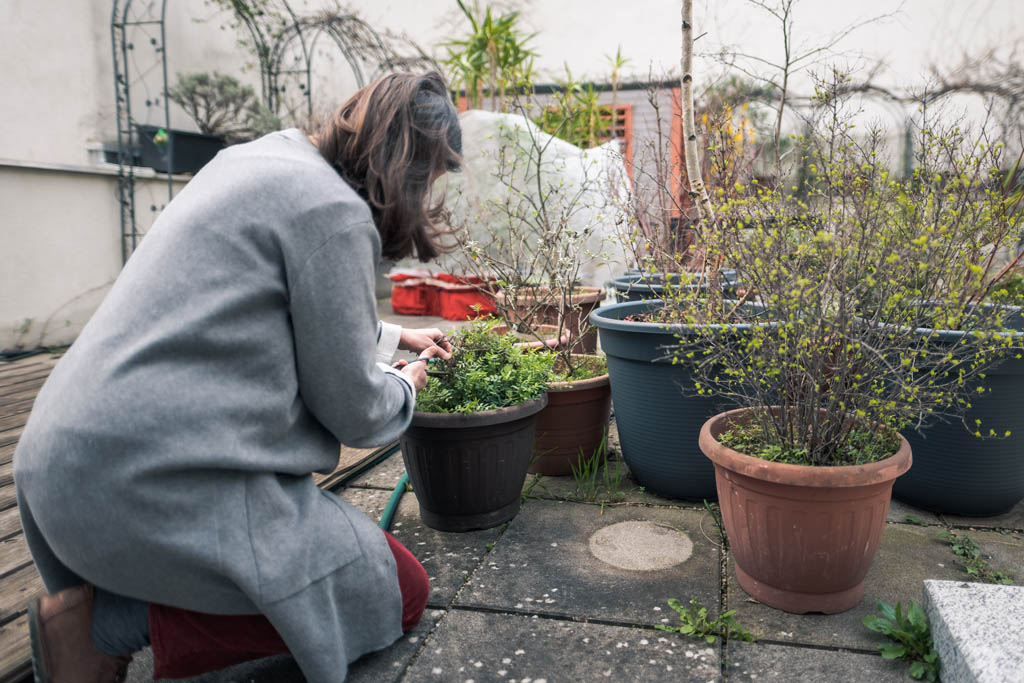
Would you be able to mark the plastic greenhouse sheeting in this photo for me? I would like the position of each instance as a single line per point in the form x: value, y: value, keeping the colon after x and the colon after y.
x: 499, y: 179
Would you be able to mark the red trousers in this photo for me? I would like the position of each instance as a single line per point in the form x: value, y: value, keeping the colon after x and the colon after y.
x: 191, y: 643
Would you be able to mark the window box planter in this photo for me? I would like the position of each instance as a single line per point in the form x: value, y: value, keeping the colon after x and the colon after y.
x: 191, y: 151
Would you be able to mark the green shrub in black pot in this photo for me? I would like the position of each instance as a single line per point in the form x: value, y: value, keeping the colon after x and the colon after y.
x: 471, y: 437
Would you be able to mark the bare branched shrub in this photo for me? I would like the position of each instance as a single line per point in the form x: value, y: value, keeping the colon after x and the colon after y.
x: 851, y: 275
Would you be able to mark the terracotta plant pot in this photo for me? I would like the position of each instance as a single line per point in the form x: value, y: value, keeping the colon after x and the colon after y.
x: 581, y: 303
x: 572, y: 425
x: 803, y: 537
x: 467, y: 470
x: 548, y: 333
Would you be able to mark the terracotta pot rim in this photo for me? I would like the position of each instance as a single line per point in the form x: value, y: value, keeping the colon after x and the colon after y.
x: 580, y: 296
x: 483, y: 418
x: 549, y: 342
x: 841, y: 476
x: 580, y: 384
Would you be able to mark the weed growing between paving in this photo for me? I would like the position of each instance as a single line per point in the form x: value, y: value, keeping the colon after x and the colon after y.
x: 911, y: 635
x: 593, y: 476
x: 695, y: 623
x: 973, y: 563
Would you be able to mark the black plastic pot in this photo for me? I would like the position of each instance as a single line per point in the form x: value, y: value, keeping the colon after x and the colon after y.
x: 658, y: 424
x: 183, y: 152
x: 637, y: 286
x: 467, y: 470
x: 957, y: 473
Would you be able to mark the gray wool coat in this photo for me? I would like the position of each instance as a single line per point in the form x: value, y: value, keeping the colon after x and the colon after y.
x: 169, y: 455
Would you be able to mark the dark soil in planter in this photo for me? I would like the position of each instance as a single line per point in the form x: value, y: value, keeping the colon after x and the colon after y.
x: 467, y: 470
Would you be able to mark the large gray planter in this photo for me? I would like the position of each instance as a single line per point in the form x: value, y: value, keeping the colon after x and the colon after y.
x: 637, y: 286
x: 658, y: 423
x: 955, y: 472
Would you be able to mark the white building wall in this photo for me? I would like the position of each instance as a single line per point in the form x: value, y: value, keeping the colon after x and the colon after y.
x: 59, y: 221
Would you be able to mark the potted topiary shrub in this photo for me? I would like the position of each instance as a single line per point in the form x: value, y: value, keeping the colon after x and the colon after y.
x: 471, y: 437
x: 805, y: 464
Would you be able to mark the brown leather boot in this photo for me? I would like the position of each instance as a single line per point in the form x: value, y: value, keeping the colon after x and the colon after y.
x: 60, y: 626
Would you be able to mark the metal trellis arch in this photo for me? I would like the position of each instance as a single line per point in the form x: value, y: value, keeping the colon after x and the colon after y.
x: 139, y: 46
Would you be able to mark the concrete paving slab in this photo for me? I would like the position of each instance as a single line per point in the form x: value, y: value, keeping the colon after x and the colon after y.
x: 755, y: 662
x: 370, y: 502
x: 545, y: 563
x: 1014, y: 519
x: 386, y: 665
x: 384, y: 476
x: 449, y: 558
x: 906, y: 557
x: 1000, y: 551
x: 615, y: 487
x: 902, y: 513
x: 278, y: 669
x: 484, y: 647
x: 978, y: 630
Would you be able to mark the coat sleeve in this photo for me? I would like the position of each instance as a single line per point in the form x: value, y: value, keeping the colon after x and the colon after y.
x: 334, y: 320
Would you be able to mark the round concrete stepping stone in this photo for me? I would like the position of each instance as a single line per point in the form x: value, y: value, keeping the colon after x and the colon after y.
x: 641, y: 546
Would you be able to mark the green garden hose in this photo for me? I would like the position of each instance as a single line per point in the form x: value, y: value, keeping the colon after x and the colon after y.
x: 396, y: 495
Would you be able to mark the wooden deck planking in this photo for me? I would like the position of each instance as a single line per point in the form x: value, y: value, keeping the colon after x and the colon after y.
x: 13, y: 421
x: 13, y: 555
x: 12, y: 371
x: 19, y: 588
x: 10, y: 437
x: 15, y: 650
x: 10, y: 523
x: 10, y: 383
x: 7, y: 497
x: 17, y: 407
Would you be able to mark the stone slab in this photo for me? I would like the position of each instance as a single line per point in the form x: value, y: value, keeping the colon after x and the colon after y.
x: 977, y: 629
x: 384, y: 476
x: 449, y: 558
x: 756, y: 662
x: 544, y: 564
x: 906, y: 557
x: 387, y: 665
x: 485, y: 647
x: 1014, y: 519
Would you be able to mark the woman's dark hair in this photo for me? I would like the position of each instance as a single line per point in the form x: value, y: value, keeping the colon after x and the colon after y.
x: 390, y: 141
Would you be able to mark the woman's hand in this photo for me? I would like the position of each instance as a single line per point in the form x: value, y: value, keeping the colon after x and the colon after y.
x: 419, y: 341
x: 416, y: 370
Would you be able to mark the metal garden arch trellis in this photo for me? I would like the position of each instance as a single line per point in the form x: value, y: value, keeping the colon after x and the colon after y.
x: 139, y: 45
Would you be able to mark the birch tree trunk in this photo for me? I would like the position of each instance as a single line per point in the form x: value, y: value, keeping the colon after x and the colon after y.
x: 698, y: 193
